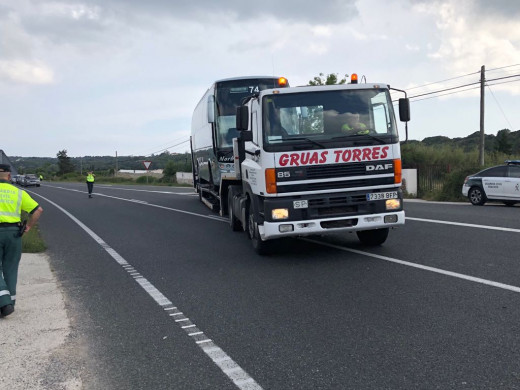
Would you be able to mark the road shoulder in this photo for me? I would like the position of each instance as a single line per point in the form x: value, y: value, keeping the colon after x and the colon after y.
x: 36, y: 332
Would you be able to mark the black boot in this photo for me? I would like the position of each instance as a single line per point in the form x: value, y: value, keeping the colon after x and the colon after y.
x: 6, y: 310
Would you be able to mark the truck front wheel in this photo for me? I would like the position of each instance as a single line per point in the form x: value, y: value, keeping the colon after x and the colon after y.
x: 373, y: 237
x: 260, y: 247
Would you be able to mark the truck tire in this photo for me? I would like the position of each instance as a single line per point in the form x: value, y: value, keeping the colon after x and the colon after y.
x: 373, y: 237
x: 260, y: 247
x: 234, y: 223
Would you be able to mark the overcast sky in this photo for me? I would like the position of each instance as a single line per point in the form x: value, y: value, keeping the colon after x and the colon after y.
x: 98, y: 76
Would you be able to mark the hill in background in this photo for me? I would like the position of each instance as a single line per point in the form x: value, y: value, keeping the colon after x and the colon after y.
x: 506, y: 141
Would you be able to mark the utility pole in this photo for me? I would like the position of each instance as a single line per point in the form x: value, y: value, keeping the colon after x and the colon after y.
x: 482, y: 93
x: 115, y: 173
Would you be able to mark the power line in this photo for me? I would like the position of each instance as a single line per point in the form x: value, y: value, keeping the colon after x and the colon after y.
x: 462, y: 76
x: 443, y: 90
x: 445, y: 94
x: 506, y: 82
x: 505, y: 77
x: 499, y: 106
x: 461, y: 86
x: 442, y: 81
x: 502, y: 67
x: 176, y: 139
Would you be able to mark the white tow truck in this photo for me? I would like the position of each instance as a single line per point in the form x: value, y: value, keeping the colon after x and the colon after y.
x: 313, y: 161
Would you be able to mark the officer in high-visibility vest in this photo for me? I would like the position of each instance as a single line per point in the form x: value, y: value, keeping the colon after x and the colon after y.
x: 90, y: 182
x: 13, y: 201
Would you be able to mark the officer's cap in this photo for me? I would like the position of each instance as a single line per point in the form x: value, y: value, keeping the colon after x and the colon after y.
x: 5, y: 168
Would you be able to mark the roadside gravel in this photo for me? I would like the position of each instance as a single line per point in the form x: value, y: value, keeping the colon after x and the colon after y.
x: 36, y: 351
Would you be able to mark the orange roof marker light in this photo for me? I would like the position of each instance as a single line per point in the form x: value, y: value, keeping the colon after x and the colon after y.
x: 353, y: 78
x: 282, y: 82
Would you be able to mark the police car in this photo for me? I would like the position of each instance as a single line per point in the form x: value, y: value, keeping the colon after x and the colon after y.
x: 500, y: 183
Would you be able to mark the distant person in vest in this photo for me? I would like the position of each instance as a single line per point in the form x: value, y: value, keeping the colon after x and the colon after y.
x: 13, y: 201
x: 90, y: 182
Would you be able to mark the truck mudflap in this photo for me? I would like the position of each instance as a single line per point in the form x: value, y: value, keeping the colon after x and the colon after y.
x: 271, y: 230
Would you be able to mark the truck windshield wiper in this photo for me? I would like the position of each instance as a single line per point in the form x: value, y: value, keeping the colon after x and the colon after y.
x: 380, y: 140
x: 305, y: 139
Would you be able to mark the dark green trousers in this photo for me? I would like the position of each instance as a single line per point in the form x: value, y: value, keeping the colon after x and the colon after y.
x: 10, y: 254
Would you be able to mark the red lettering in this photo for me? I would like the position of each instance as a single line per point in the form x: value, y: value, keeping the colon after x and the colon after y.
x: 366, y: 153
x: 375, y: 152
x: 356, y: 155
x: 347, y: 155
x: 294, y: 159
x: 314, y: 158
x: 338, y: 154
x: 323, y: 158
x: 385, y: 150
x: 284, y: 159
x: 305, y: 158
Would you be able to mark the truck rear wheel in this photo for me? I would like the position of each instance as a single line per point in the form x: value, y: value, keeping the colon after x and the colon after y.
x: 373, y: 237
x: 260, y: 247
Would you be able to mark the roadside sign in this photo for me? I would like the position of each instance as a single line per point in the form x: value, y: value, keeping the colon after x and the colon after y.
x: 147, y: 164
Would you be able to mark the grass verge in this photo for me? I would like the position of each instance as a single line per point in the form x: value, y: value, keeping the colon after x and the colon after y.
x: 32, y: 241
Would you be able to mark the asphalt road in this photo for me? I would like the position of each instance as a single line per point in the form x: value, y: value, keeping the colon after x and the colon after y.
x: 163, y: 295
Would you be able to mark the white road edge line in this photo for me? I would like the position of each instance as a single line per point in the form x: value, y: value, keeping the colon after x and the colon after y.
x: 419, y: 266
x: 246, y: 382
x: 502, y: 229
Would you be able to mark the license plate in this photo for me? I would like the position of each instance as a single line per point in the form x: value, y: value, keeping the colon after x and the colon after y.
x: 300, y: 204
x: 382, y: 195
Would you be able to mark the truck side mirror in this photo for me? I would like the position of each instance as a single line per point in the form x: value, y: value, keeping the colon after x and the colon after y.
x: 242, y: 118
x: 404, y: 109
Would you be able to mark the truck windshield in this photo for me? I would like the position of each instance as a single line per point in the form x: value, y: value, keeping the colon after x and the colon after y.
x: 229, y: 95
x: 329, y: 118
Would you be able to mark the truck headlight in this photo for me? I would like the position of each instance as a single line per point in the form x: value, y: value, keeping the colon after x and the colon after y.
x: 393, y: 204
x: 277, y: 214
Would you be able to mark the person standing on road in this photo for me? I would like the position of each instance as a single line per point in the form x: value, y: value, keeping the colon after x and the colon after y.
x: 13, y: 201
x: 90, y: 182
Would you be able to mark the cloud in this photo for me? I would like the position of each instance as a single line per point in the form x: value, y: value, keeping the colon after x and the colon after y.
x: 471, y: 35
x: 25, y: 72
x: 325, y: 11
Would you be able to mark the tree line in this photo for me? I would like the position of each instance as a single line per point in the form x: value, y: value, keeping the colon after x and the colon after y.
x: 63, y: 165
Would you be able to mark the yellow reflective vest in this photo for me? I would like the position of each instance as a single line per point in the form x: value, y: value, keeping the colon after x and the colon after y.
x: 90, y: 178
x: 12, y: 201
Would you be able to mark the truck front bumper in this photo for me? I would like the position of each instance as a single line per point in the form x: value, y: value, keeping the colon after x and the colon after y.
x: 270, y: 230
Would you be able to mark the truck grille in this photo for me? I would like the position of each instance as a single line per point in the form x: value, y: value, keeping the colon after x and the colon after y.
x: 331, y: 171
x: 345, y: 184
x: 310, y: 174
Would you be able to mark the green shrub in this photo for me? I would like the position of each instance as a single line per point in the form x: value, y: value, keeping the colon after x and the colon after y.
x: 452, y: 188
x: 146, y: 180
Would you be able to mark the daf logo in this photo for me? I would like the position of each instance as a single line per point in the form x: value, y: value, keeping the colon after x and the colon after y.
x: 378, y: 167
